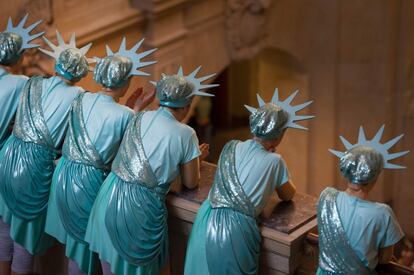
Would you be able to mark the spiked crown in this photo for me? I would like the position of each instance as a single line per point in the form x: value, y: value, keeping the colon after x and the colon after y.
x: 178, y: 90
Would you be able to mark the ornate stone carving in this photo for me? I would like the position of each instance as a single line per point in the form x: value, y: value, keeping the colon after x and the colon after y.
x: 246, y: 27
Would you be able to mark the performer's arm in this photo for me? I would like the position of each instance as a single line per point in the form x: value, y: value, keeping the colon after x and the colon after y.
x: 190, y: 173
x: 286, y: 191
x: 385, y: 254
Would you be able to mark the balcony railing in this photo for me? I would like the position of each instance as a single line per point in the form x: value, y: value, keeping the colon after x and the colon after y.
x: 390, y: 268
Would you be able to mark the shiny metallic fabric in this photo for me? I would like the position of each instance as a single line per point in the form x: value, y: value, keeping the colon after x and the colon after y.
x: 72, y: 65
x: 174, y: 91
x: 136, y: 215
x: 30, y: 125
x: 361, y: 164
x: 113, y: 71
x: 78, y: 147
x: 226, y: 190
x: 336, y: 255
x: 131, y: 163
x: 268, y: 121
x: 232, y: 231
x: 80, y: 176
x: 26, y: 167
x: 10, y: 48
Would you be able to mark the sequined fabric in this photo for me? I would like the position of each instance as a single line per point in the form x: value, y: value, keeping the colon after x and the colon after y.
x: 131, y: 163
x: 10, y: 46
x: 136, y: 216
x: 30, y: 125
x: 232, y: 232
x: 361, y: 164
x: 268, y: 122
x: 174, y: 91
x: 226, y: 190
x: 27, y: 163
x: 112, y: 71
x: 336, y: 255
x: 76, y: 195
x: 72, y: 65
x: 78, y: 147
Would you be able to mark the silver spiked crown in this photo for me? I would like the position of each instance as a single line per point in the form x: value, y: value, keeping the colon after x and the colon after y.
x: 133, y: 56
x: 374, y: 143
x: 179, y: 89
x: 24, y: 33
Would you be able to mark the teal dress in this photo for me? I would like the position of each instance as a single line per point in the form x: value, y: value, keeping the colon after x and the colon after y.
x: 27, y: 159
x: 128, y: 222
x: 225, y: 238
x: 11, y: 87
x: 96, y: 127
x: 351, y: 233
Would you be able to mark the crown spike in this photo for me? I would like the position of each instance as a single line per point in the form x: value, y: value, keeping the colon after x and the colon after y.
x: 85, y: 48
x: 378, y: 135
x: 299, y: 107
x: 195, y: 72
x: 361, y: 135
x: 72, y: 41
x: 9, y: 24
x: 336, y: 153
x: 37, y: 35
x: 33, y: 26
x: 201, y: 94
x: 203, y: 78
x: 109, y: 52
x: 275, y: 97
x: 299, y: 118
x: 180, y: 71
x: 260, y: 100
x: 291, y: 97
x: 393, y: 166
x: 22, y: 22
x: 392, y: 142
x: 59, y: 38
x: 346, y: 143
x: 146, y: 53
x: 137, y: 45
x: 122, y: 47
x: 297, y: 126
x: 250, y: 109
x: 397, y: 155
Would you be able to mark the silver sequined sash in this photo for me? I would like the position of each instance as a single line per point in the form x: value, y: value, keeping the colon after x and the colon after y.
x: 227, y: 191
x: 131, y: 163
x: 336, y: 255
x: 78, y: 147
x: 30, y: 124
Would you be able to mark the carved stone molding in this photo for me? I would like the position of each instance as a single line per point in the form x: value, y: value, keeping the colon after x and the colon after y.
x: 246, y: 27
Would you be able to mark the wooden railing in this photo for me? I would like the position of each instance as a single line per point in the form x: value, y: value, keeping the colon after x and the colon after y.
x: 390, y: 268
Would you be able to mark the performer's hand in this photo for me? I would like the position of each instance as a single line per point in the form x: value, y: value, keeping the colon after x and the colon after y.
x: 205, y: 151
x: 144, y: 99
x: 133, y: 98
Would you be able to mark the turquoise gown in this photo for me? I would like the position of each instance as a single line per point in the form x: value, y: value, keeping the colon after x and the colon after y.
x: 96, y: 127
x: 225, y: 238
x: 11, y: 87
x: 352, y: 231
x: 27, y: 159
x: 128, y: 222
